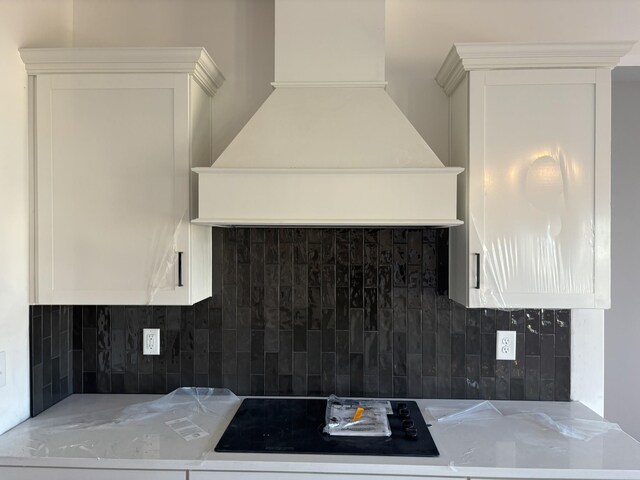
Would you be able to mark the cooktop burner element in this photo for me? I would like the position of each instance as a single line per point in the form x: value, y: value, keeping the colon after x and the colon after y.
x: 295, y: 426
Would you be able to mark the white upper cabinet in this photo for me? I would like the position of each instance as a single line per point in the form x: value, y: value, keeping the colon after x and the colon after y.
x: 531, y: 125
x: 115, y: 133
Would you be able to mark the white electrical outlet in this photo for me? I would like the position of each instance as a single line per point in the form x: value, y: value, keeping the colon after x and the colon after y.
x: 3, y: 369
x: 505, y: 345
x: 151, y: 341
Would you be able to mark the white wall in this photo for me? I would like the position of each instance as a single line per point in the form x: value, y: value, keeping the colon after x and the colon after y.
x: 22, y: 23
x: 622, y: 322
x: 238, y: 34
x: 587, y: 358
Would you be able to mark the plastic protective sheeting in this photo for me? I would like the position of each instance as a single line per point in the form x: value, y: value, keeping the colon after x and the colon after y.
x: 577, y: 428
x: 163, y: 248
x: 144, y: 430
x: 481, y: 411
x: 357, y: 418
x: 538, y: 231
x: 529, y: 425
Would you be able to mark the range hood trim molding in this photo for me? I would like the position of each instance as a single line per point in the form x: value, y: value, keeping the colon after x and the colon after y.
x: 303, y: 223
x: 327, y: 171
x: 328, y: 197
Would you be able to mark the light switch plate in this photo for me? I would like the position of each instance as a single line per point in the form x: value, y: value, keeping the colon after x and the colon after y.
x: 505, y: 345
x: 151, y: 341
x: 3, y: 369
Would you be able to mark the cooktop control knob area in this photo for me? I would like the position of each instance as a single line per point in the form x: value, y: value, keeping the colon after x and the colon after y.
x: 408, y: 425
x: 411, y: 433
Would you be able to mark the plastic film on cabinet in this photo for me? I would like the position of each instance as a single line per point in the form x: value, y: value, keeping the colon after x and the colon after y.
x: 538, y: 239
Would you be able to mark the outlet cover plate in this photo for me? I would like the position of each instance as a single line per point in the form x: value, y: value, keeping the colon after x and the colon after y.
x: 151, y: 341
x: 3, y: 369
x: 505, y: 345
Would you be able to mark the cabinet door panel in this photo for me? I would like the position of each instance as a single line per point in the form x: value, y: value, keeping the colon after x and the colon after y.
x: 535, y: 223
x: 112, y: 209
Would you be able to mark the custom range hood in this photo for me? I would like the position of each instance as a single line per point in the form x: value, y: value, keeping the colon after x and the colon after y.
x: 328, y: 147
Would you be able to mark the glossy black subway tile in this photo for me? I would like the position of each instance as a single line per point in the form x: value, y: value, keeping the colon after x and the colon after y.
x: 414, y: 331
x: 314, y: 352
x: 548, y: 322
x: 356, y: 374
x: 342, y: 352
x: 488, y: 355
x: 370, y: 386
x: 55, y: 332
x: 488, y: 388
x: 400, y: 387
x: 547, y: 357
x: 145, y: 363
x: 532, y: 378
x: 371, y: 353
x: 414, y: 375
x: 516, y: 391
x: 299, y: 383
x: 328, y: 373
x: 370, y: 309
x: 356, y: 247
x: 414, y: 286
x: 473, y: 376
x: 430, y: 354
x: 244, y: 373
x: 385, y: 331
x: 429, y: 387
x: 443, y: 374
x: 457, y: 355
x: 243, y: 330
x: 532, y: 332
x: 458, y: 387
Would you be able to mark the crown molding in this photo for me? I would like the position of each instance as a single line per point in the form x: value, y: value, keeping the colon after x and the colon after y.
x: 191, y: 60
x: 465, y: 57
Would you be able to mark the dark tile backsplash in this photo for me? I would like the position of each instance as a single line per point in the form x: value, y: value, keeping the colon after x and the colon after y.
x: 51, y: 355
x: 310, y: 312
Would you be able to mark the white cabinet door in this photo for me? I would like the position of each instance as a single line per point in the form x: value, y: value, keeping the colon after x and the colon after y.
x: 112, y: 189
x: 22, y: 473
x: 537, y: 186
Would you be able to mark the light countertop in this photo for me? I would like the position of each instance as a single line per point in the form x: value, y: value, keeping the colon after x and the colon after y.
x: 501, y: 439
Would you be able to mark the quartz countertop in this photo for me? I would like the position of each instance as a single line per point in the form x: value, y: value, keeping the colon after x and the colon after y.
x: 489, y: 439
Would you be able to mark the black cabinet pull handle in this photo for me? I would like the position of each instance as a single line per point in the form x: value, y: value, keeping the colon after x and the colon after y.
x: 180, y: 284
x: 477, y: 285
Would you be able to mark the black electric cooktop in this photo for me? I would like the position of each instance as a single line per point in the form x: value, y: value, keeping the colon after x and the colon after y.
x: 295, y: 426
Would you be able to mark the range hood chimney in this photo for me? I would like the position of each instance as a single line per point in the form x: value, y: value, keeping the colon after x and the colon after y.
x: 328, y: 147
